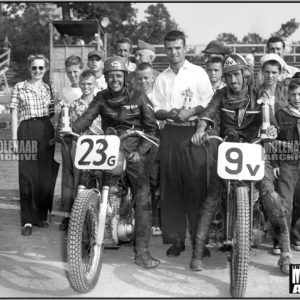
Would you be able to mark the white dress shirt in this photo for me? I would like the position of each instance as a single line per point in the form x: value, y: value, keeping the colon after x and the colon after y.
x: 286, y: 72
x: 131, y: 66
x: 169, y: 88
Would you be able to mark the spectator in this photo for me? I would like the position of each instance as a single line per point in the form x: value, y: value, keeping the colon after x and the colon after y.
x: 73, y: 67
x: 138, y: 111
x: 144, y: 53
x: 95, y: 64
x: 180, y: 94
x: 287, y: 170
x: 215, y: 49
x: 6, y: 44
x: 37, y: 176
x: 144, y: 76
x: 124, y: 49
x: 276, y: 45
x: 214, y: 72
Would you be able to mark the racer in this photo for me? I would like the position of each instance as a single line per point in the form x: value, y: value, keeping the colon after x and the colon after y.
x: 240, y: 111
x: 117, y: 105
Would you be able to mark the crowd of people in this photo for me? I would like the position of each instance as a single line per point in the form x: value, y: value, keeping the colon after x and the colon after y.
x: 176, y: 185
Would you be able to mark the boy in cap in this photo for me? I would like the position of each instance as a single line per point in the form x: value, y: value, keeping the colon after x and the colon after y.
x: 286, y: 169
x: 144, y: 53
x: 215, y: 48
x: 95, y: 64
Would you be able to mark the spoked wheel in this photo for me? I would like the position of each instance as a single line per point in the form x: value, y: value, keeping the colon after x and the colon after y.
x: 84, y: 252
x: 240, y: 245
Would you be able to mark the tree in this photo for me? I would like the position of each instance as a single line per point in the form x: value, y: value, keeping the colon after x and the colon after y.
x: 228, y: 38
x: 253, y: 38
x: 287, y: 29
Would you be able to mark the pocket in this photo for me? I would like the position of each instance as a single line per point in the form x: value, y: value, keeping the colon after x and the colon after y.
x: 133, y: 114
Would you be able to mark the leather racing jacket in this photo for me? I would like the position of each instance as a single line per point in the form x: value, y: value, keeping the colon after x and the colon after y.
x: 137, y: 110
x: 246, y: 119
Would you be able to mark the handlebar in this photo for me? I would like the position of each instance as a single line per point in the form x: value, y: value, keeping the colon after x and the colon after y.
x: 144, y: 135
x: 62, y: 134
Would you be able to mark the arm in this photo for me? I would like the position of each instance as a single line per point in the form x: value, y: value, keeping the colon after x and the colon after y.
x: 14, y: 128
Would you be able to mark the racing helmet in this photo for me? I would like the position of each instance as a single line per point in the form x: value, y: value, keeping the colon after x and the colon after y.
x: 115, y: 63
x: 234, y: 62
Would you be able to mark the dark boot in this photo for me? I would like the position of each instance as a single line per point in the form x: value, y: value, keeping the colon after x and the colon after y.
x: 143, y: 223
x: 205, y: 218
x: 276, y: 214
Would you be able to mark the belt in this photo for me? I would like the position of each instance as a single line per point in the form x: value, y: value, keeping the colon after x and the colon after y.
x: 188, y: 123
x: 37, y: 118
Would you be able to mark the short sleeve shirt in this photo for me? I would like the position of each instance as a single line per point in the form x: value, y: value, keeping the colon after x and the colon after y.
x: 31, y: 103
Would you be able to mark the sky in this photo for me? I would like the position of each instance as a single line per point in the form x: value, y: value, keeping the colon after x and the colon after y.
x: 202, y: 22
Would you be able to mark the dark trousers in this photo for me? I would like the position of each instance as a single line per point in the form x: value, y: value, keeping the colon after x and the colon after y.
x: 183, y: 181
x: 37, y: 177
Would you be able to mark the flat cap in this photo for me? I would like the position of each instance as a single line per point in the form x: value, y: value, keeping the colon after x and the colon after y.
x: 97, y: 53
x: 216, y: 47
x: 143, y: 45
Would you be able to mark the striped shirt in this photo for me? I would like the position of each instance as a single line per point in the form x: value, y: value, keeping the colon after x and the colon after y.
x: 31, y: 103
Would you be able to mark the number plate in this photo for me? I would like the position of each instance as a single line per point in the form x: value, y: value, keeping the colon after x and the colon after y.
x: 97, y: 152
x: 241, y: 161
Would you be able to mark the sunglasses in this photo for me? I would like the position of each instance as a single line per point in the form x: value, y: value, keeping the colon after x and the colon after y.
x: 34, y: 68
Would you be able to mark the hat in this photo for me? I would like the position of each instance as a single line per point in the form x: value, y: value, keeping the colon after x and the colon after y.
x: 272, y: 56
x: 216, y: 47
x: 97, y: 53
x: 143, y: 45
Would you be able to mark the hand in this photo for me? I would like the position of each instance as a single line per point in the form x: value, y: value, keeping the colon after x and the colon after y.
x: 184, y: 115
x: 173, y: 113
x: 198, y: 138
x: 59, y: 127
x: 272, y: 132
x: 134, y: 157
x: 14, y: 148
x: 276, y: 172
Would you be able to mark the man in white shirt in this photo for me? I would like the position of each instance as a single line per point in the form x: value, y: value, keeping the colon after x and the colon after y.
x: 145, y: 53
x: 95, y: 64
x: 124, y: 49
x: 180, y: 94
x: 276, y: 45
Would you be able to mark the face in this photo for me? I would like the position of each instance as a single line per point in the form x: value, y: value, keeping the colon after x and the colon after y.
x: 73, y: 73
x: 294, y: 98
x: 207, y: 57
x: 175, y: 51
x: 214, y: 71
x: 87, y: 86
x: 2, y: 88
x: 276, y: 48
x: 124, y: 51
x: 145, y: 79
x: 95, y: 63
x: 235, y: 80
x: 271, y: 74
x: 116, y: 80
x: 37, y: 69
x: 142, y: 56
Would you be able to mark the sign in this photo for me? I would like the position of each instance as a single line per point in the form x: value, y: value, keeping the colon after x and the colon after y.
x: 97, y: 152
x: 295, y: 279
x: 241, y: 161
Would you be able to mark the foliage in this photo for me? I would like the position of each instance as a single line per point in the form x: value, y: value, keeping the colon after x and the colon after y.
x: 287, y: 29
x: 227, y: 38
x: 253, y: 38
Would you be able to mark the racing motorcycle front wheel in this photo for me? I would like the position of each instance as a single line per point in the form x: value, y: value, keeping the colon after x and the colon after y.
x: 84, y: 252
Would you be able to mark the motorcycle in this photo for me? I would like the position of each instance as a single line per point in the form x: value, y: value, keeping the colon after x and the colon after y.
x: 102, y: 215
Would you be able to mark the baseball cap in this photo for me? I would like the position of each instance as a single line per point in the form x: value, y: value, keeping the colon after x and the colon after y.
x: 97, y: 53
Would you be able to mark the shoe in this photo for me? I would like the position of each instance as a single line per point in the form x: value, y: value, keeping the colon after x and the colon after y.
x: 276, y: 250
x: 156, y: 231
x: 196, y: 264
x: 26, y: 230
x: 42, y: 224
x: 284, y: 264
x: 175, y: 249
x: 64, y: 224
x: 145, y: 260
x: 296, y: 245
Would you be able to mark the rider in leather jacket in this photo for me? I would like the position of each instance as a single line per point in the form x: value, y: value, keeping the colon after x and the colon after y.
x: 238, y: 108
x: 123, y: 105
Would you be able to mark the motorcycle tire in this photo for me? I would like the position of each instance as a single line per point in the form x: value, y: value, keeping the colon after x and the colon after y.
x: 84, y: 252
x: 241, y: 242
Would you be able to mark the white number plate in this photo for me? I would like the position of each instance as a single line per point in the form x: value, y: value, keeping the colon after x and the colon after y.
x: 241, y: 161
x: 97, y: 152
